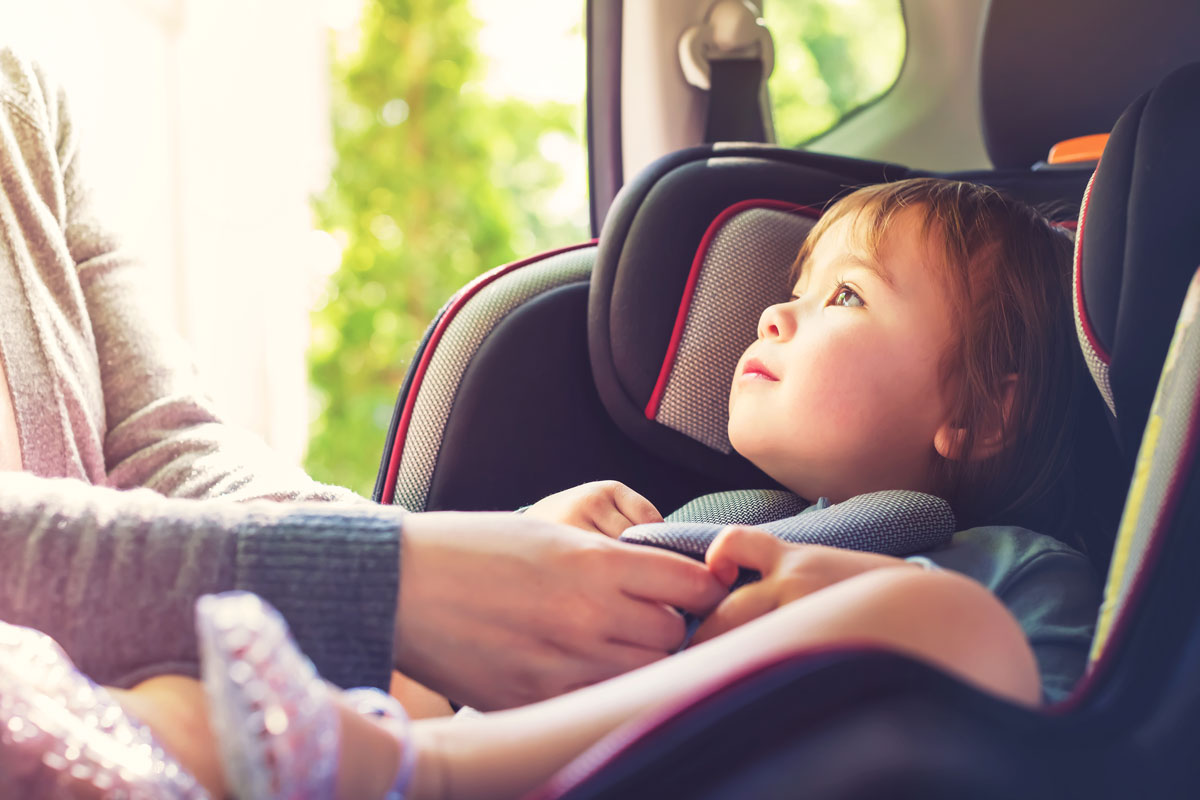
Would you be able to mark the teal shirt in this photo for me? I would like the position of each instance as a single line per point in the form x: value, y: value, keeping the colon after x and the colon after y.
x: 1050, y: 588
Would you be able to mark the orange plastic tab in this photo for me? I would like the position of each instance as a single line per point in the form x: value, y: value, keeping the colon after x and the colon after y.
x: 1081, y: 148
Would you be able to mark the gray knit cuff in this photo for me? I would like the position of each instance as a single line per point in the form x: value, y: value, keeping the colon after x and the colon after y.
x: 335, y: 578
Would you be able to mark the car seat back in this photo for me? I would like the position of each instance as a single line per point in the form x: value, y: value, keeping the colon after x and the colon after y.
x: 439, y: 403
x: 527, y: 385
x: 1137, y: 295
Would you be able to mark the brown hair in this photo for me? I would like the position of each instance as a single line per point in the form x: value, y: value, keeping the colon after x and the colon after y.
x: 1007, y: 270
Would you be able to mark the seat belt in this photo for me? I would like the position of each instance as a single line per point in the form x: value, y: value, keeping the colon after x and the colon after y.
x: 730, y: 55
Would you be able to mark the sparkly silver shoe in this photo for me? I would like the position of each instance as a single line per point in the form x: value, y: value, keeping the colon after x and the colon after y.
x: 273, y: 717
x: 62, y: 736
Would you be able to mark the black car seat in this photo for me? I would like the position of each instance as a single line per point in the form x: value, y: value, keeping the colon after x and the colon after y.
x: 856, y: 723
x: 538, y: 375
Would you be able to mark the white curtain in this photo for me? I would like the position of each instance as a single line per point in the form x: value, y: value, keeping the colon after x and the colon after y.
x: 205, y: 125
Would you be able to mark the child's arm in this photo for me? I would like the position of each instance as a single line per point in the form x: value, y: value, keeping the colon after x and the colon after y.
x: 607, y: 507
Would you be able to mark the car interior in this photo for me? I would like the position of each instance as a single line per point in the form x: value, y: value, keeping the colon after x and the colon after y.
x: 611, y: 359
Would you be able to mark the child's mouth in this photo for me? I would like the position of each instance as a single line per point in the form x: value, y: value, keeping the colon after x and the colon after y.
x: 756, y: 370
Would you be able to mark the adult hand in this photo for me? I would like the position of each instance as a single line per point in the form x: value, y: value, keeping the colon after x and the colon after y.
x: 789, y: 572
x: 607, y: 507
x: 497, y: 610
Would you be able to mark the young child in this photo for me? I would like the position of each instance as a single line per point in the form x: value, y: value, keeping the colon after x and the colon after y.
x: 925, y: 347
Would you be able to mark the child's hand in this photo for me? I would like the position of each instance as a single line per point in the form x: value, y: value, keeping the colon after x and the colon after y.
x: 607, y: 507
x: 789, y: 572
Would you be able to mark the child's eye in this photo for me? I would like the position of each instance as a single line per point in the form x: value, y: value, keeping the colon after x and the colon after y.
x: 845, y: 296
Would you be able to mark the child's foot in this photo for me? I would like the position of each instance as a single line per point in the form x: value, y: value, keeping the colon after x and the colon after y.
x: 278, y: 725
x: 63, y: 736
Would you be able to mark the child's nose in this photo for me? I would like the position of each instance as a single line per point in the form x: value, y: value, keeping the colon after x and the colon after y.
x: 776, y: 323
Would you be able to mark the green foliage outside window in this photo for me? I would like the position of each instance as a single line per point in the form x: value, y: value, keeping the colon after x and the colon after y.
x: 831, y: 57
x: 434, y: 182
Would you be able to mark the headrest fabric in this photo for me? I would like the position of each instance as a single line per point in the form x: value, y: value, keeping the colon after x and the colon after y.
x: 740, y: 268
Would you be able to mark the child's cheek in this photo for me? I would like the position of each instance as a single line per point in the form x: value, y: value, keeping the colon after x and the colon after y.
x: 846, y: 382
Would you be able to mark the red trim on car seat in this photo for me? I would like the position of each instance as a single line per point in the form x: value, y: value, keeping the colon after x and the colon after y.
x: 689, y: 288
x: 465, y: 294
x: 1077, y: 277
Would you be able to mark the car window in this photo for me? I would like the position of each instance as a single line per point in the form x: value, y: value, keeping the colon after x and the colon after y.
x: 832, y: 57
x: 458, y: 137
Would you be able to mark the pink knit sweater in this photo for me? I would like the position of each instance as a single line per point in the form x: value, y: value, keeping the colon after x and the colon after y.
x: 135, y: 497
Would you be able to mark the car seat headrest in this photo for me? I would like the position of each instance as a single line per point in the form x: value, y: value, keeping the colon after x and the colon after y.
x: 1138, y: 246
x: 691, y: 253
x: 1052, y: 71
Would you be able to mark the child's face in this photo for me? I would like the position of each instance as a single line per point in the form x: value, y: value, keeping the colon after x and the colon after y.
x: 842, y: 393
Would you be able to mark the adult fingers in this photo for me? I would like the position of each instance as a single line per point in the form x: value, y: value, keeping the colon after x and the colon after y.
x: 661, y: 576
x: 737, y: 547
x: 637, y: 509
x: 647, y: 624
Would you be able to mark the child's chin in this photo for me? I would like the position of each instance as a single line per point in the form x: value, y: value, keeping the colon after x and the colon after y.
x: 744, y: 446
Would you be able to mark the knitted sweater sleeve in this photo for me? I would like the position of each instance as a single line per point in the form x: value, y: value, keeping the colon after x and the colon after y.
x: 113, y: 575
x: 113, y: 572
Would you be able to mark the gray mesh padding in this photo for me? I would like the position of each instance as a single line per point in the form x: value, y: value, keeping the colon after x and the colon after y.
x: 1159, y: 466
x: 1096, y: 365
x: 894, y: 522
x: 458, y: 345
x: 740, y: 507
x: 744, y: 271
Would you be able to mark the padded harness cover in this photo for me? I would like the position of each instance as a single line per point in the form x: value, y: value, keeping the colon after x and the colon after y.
x: 893, y: 522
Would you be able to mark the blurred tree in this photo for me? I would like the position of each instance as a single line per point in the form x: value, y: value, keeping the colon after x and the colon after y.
x: 434, y: 182
x: 831, y: 58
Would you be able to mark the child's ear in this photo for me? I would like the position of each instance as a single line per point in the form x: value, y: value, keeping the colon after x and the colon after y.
x: 950, y: 439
